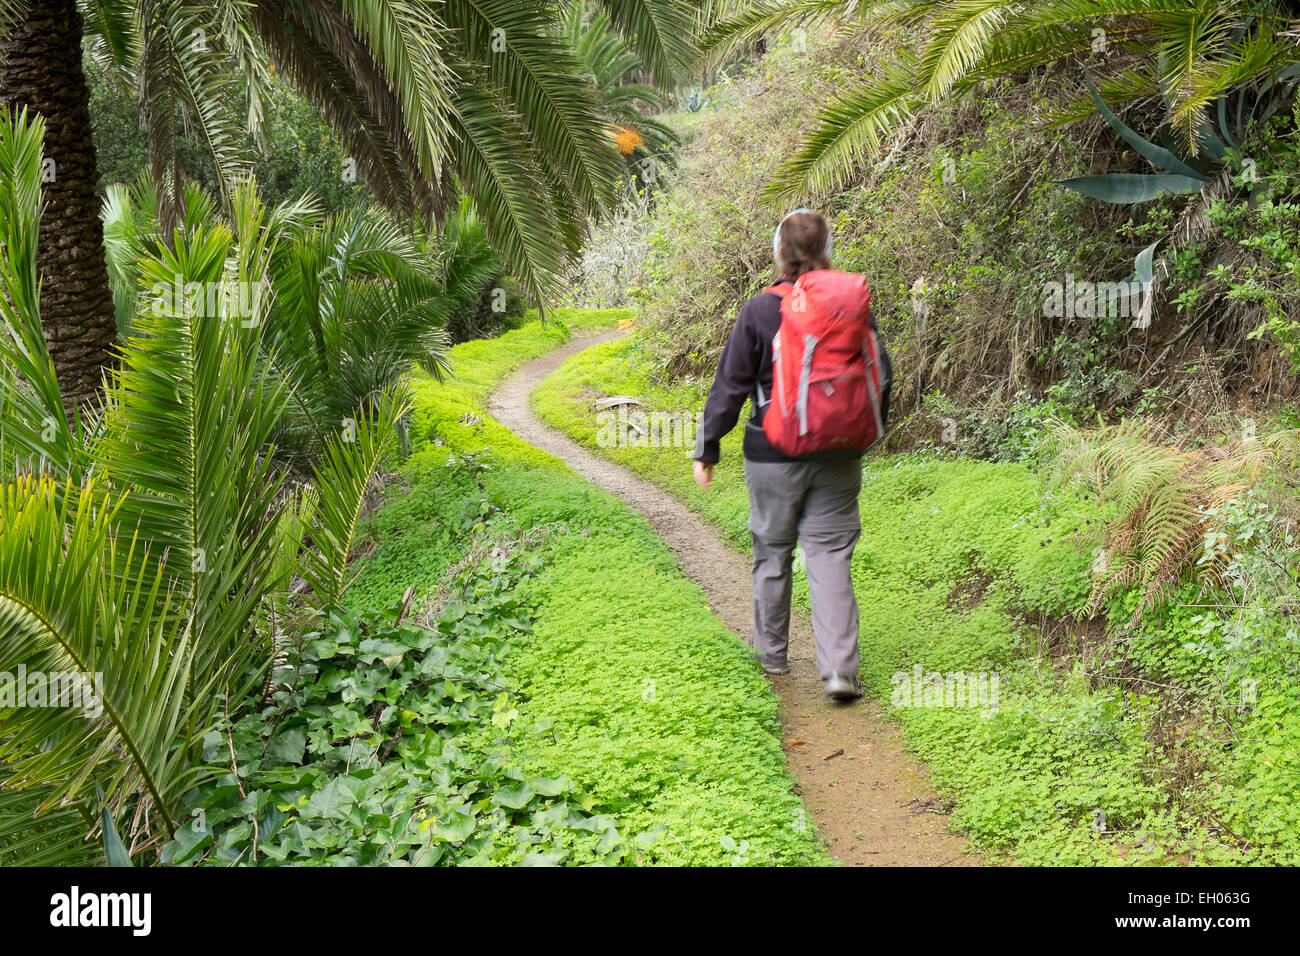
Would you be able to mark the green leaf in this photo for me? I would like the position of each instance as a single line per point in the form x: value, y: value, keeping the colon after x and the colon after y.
x: 115, y: 853
x: 550, y: 786
x: 189, y: 840
x: 1156, y: 155
x: 516, y: 798
x: 288, y: 746
x: 348, y: 465
x: 1124, y: 188
x: 553, y: 858
x: 456, y: 829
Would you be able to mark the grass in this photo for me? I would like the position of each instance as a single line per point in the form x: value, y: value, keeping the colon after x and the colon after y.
x: 626, y: 683
x: 621, y: 367
x: 965, y: 567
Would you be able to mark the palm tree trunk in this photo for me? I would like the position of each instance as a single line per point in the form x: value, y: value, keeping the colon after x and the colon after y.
x: 40, y: 68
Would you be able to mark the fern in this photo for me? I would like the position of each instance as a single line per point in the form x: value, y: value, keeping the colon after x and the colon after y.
x: 1161, y: 493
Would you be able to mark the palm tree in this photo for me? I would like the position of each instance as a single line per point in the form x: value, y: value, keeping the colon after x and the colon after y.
x: 40, y: 68
x: 144, y: 543
x: 355, y: 300
x: 613, y: 67
x: 484, y: 93
x: 1190, y: 53
x: 356, y: 303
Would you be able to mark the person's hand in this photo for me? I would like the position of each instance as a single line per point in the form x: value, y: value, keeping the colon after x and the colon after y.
x: 703, y: 474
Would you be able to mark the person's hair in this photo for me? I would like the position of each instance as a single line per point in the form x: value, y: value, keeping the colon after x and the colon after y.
x: 802, y: 244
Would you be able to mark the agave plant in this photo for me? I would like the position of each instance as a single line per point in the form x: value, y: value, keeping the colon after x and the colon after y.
x: 1177, y: 175
x: 140, y: 547
x: 1189, y: 52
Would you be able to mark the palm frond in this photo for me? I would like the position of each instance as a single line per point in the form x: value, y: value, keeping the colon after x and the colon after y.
x: 77, y: 608
x: 242, y: 46
x: 730, y: 26
x: 314, y: 46
x: 1197, y: 52
x: 199, y: 70
x: 959, y: 39
x: 56, y: 837
x: 605, y: 55
x: 845, y: 132
x: 1162, y: 495
x: 356, y: 302
x: 519, y: 51
x: 1207, y: 82
x: 111, y: 26
x: 1126, y: 87
x: 498, y: 169
x: 660, y: 30
x: 349, y: 464
x: 192, y: 412
x: 405, y: 39
x: 35, y: 431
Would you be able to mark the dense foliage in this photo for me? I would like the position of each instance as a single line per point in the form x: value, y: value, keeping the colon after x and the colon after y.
x: 963, y: 229
x: 326, y: 610
x: 490, y: 95
x: 385, y: 742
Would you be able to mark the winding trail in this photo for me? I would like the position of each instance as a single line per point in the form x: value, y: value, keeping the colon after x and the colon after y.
x: 871, y: 799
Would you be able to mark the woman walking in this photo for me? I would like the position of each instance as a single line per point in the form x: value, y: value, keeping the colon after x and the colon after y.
x: 805, y: 350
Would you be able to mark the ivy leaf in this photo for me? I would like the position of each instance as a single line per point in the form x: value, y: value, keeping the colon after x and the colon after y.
x: 288, y: 746
x: 374, y: 648
x: 456, y: 829
x: 550, y: 786
x: 554, y: 858
x: 186, y: 844
x: 516, y: 798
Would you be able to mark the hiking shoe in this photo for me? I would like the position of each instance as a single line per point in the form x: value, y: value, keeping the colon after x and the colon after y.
x: 839, y: 687
x: 779, y: 669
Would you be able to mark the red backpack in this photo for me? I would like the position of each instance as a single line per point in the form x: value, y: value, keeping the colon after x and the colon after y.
x: 830, y: 376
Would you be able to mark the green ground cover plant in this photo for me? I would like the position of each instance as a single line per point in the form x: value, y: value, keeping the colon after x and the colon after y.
x: 382, y: 742
x: 978, y: 567
x: 574, y: 700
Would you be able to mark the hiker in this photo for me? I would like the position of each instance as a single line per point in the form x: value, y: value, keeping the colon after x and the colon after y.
x: 806, y: 352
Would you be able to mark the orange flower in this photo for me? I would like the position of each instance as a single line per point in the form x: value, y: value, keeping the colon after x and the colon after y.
x: 626, y: 139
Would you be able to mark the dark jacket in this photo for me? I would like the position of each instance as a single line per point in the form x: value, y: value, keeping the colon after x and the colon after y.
x: 746, y: 360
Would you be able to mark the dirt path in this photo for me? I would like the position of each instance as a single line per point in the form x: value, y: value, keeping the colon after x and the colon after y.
x: 872, y: 800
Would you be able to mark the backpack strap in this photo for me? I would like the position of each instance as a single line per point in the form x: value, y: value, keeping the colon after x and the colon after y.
x: 780, y: 290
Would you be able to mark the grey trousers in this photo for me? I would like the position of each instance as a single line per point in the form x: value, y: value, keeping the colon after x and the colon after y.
x: 816, y: 503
